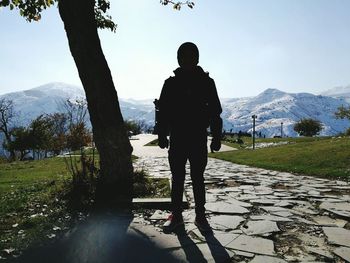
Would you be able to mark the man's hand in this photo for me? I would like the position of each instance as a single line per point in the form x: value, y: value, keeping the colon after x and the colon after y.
x: 215, y: 144
x: 163, y: 142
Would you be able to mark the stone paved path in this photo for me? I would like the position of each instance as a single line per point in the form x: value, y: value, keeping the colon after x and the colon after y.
x: 257, y: 215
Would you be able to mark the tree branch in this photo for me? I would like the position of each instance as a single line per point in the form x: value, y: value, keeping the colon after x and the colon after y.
x: 177, y: 5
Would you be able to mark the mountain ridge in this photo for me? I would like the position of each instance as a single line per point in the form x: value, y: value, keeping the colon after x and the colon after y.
x: 272, y: 107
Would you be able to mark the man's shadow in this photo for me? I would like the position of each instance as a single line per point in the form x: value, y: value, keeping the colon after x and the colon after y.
x: 192, y: 251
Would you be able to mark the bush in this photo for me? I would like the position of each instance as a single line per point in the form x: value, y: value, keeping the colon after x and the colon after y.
x: 84, y: 175
x: 3, y: 160
x: 308, y: 127
x: 146, y: 186
x: 347, y: 132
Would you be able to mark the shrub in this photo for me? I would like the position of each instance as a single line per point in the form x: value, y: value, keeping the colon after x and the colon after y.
x: 347, y: 132
x: 308, y: 127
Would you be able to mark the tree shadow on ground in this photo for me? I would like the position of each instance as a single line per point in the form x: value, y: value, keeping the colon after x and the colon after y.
x: 104, y: 237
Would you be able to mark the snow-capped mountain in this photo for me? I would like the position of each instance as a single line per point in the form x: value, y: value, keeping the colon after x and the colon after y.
x: 272, y: 108
x: 44, y: 99
x: 48, y: 99
x: 339, y: 93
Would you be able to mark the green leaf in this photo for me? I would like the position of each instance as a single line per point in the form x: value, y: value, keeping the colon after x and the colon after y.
x: 4, y: 3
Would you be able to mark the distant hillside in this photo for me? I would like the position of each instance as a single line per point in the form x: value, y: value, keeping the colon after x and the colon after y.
x: 47, y: 99
x: 271, y: 106
x: 274, y: 106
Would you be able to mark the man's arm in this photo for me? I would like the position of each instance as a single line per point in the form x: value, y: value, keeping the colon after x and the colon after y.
x: 163, y: 122
x: 215, y: 120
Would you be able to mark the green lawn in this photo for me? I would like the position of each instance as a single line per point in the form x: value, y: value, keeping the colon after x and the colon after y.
x: 36, y: 204
x: 25, y: 173
x: 248, y: 141
x: 324, y: 157
x: 31, y: 203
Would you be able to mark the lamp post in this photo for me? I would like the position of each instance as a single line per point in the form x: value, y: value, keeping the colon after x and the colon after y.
x: 254, y: 117
x: 281, y: 129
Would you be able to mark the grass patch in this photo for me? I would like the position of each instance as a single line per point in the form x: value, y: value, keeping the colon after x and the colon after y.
x: 38, y: 202
x: 248, y: 141
x: 32, y: 207
x: 150, y: 187
x: 324, y: 157
x: 86, y: 150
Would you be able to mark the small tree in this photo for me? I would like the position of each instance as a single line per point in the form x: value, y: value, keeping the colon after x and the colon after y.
x: 78, y: 136
x: 59, y: 129
x: 308, y: 127
x: 7, y: 115
x: 75, y: 111
x: 21, y: 142
x: 41, y: 134
x: 343, y: 113
x: 132, y: 127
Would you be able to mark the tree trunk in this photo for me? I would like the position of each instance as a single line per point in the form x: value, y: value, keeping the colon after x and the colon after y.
x: 115, y: 183
x: 12, y: 152
x: 7, y: 135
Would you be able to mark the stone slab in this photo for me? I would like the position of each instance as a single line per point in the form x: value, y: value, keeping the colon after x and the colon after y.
x: 239, y: 203
x: 304, y: 221
x: 337, y: 235
x: 218, y: 237
x: 247, y: 197
x: 271, y: 218
x: 342, y: 209
x: 278, y: 211
x: 226, y: 208
x: 189, y: 216
x: 264, y: 201
x: 285, y: 214
x: 161, y: 203
x: 320, y: 251
x: 273, y: 209
x: 267, y: 259
x: 305, y: 210
x: 159, y: 215
x: 264, y: 227
x: 328, y: 221
x: 284, y: 204
x: 343, y: 252
x: 222, y: 238
x: 226, y: 222
x: 243, y: 254
x: 256, y: 245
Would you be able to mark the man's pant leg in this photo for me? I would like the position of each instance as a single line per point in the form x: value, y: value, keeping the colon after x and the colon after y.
x: 198, y: 161
x: 177, y: 161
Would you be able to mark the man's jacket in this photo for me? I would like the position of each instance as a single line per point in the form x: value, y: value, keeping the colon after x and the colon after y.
x: 189, y: 104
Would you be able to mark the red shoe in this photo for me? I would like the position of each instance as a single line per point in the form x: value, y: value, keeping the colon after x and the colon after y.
x: 172, y: 223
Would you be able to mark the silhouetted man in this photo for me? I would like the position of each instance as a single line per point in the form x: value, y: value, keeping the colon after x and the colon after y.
x: 188, y: 105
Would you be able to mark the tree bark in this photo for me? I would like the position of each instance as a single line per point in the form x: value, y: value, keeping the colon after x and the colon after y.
x: 4, y: 129
x: 115, y: 182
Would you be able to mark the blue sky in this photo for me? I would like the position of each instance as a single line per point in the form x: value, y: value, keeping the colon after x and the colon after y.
x: 247, y: 46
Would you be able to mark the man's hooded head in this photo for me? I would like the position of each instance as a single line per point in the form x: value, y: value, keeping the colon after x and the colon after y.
x: 188, y: 55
